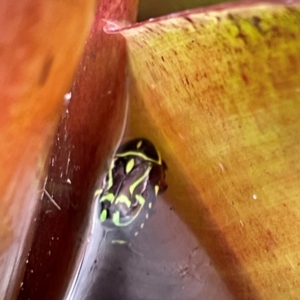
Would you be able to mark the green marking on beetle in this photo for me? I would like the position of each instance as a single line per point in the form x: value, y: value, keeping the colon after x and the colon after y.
x: 129, y: 166
x: 120, y: 242
x: 137, y: 182
x: 109, y: 197
x: 110, y: 175
x: 123, y: 199
x: 103, y: 215
x: 121, y: 187
x: 141, y: 155
x: 116, y: 218
x: 98, y: 192
x: 140, y: 199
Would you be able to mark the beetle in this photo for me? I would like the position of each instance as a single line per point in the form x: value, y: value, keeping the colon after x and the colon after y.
x: 135, y: 178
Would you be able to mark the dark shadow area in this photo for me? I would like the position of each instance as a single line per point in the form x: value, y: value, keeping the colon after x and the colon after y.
x: 157, y: 8
x: 165, y: 261
x: 111, y: 282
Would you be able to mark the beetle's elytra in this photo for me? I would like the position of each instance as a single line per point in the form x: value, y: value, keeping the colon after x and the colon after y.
x: 135, y: 177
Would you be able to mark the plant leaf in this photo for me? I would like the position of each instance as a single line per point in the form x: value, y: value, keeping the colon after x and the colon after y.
x: 219, y: 90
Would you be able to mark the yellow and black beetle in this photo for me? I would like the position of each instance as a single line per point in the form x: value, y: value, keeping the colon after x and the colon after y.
x: 136, y: 176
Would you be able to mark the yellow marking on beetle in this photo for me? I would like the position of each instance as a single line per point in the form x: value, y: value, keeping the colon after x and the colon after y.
x: 142, y: 225
x: 123, y: 199
x: 147, y: 216
x: 116, y: 215
x: 109, y: 197
x: 156, y: 189
x: 120, y: 242
x: 98, y: 192
x: 116, y: 218
x: 129, y: 166
x: 103, y: 215
x: 140, y: 199
x: 139, y: 144
x: 136, y: 233
x: 137, y: 182
x: 150, y: 205
x: 142, y: 155
x: 159, y: 157
x: 110, y: 175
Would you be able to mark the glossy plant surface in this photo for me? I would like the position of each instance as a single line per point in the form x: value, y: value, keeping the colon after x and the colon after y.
x: 35, y: 73
x: 219, y: 90
x: 89, y: 131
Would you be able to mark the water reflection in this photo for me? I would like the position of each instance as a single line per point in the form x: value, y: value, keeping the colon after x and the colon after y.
x: 165, y: 261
